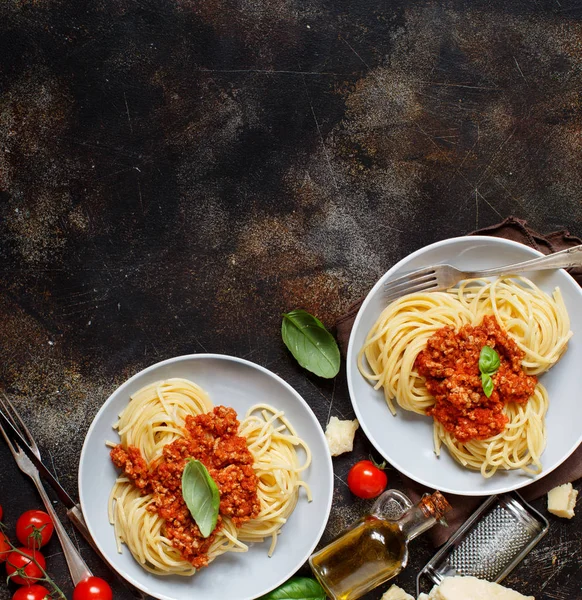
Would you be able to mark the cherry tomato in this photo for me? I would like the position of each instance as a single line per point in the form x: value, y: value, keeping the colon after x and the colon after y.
x: 1, y: 512
x: 367, y: 480
x: 34, y: 528
x: 32, y: 592
x: 5, y: 547
x: 92, y: 588
x: 17, y: 562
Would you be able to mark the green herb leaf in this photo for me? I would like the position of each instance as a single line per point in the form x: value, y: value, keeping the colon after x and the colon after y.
x: 310, y: 343
x: 488, y: 360
x: 201, y: 496
x: 297, y: 588
x: 487, y: 384
x: 488, y: 365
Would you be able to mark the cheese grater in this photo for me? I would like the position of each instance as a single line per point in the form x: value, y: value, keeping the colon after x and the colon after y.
x: 491, y: 542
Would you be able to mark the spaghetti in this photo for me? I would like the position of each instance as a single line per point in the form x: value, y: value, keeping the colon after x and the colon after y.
x: 537, y: 323
x: 154, y: 422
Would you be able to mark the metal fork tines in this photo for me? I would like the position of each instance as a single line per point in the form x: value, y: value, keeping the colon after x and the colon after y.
x: 422, y: 280
x: 8, y: 415
x: 443, y: 277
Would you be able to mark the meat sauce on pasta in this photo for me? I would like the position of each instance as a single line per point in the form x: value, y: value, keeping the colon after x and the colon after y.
x: 212, y: 439
x: 450, y: 366
x: 257, y: 465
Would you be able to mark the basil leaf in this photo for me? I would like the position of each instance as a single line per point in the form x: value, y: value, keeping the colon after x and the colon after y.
x: 488, y: 365
x: 310, y: 343
x: 297, y: 588
x: 201, y: 496
x: 488, y: 360
x: 487, y: 384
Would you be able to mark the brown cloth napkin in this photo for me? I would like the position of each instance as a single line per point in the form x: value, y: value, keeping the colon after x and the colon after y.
x: 518, y: 231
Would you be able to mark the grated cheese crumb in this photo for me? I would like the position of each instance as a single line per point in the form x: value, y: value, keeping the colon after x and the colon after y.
x: 562, y: 500
x: 340, y: 435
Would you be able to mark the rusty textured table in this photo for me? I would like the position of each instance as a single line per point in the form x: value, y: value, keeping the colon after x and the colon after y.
x: 175, y: 174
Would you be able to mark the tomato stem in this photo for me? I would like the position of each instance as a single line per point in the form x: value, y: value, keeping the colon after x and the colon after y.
x: 382, y: 466
x: 36, y: 536
x: 56, y: 590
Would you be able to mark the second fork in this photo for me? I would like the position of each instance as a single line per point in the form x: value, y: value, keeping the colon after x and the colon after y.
x: 443, y: 277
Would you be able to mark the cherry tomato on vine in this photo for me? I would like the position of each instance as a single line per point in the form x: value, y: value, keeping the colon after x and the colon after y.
x: 5, y: 547
x: 25, y: 564
x: 34, y: 528
x: 92, y: 588
x: 32, y: 592
x: 366, y: 479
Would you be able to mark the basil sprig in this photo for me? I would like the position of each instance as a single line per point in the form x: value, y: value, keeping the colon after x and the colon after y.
x: 488, y: 365
x: 201, y: 496
x: 310, y: 343
x: 297, y: 588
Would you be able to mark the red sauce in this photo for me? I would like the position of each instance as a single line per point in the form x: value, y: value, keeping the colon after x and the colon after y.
x: 212, y: 439
x: 450, y: 365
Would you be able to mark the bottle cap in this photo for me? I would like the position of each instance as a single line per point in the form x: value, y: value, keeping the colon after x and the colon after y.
x: 434, y: 505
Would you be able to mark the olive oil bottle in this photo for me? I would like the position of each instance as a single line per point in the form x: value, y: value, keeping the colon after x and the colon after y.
x: 375, y: 548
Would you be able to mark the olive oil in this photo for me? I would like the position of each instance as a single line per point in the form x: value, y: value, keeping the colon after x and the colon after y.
x: 370, y: 553
x: 375, y: 548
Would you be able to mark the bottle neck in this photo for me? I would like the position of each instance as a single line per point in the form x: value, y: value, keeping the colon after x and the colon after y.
x: 415, y: 521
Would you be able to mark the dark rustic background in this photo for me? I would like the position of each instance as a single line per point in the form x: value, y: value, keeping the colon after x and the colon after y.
x: 175, y: 174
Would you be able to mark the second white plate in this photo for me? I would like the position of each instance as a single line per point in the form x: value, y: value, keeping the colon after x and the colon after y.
x: 237, y: 576
x: 406, y: 440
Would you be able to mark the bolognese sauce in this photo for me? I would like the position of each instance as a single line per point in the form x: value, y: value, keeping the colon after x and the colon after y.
x: 450, y: 365
x: 212, y: 439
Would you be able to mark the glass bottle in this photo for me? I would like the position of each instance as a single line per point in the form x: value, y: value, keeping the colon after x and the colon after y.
x: 375, y: 548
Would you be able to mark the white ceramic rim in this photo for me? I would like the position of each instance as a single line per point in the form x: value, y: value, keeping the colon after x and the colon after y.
x: 309, y: 411
x: 352, y: 356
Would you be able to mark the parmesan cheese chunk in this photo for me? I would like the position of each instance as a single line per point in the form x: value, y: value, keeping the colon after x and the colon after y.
x: 396, y: 593
x: 340, y: 435
x: 561, y: 500
x: 471, y: 588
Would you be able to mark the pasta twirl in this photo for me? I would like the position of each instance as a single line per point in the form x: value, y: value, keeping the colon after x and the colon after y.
x: 154, y: 418
x: 536, y: 322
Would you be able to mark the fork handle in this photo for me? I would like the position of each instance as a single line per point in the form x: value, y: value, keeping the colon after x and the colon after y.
x: 77, y: 567
x: 76, y: 517
x: 572, y: 257
x: 78, y: 520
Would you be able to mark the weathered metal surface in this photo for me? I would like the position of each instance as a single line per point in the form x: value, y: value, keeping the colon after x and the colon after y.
x: 174, y: 175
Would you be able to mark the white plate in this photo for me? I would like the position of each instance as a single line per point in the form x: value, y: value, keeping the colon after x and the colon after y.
x: 406, y: 440
x: 236, y: 576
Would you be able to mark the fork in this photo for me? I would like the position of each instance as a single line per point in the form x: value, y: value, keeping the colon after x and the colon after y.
x: 77, y: 567
x: 443, y: 277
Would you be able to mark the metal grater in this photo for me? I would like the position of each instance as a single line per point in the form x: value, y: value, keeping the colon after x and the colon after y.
x: 490, y: 544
